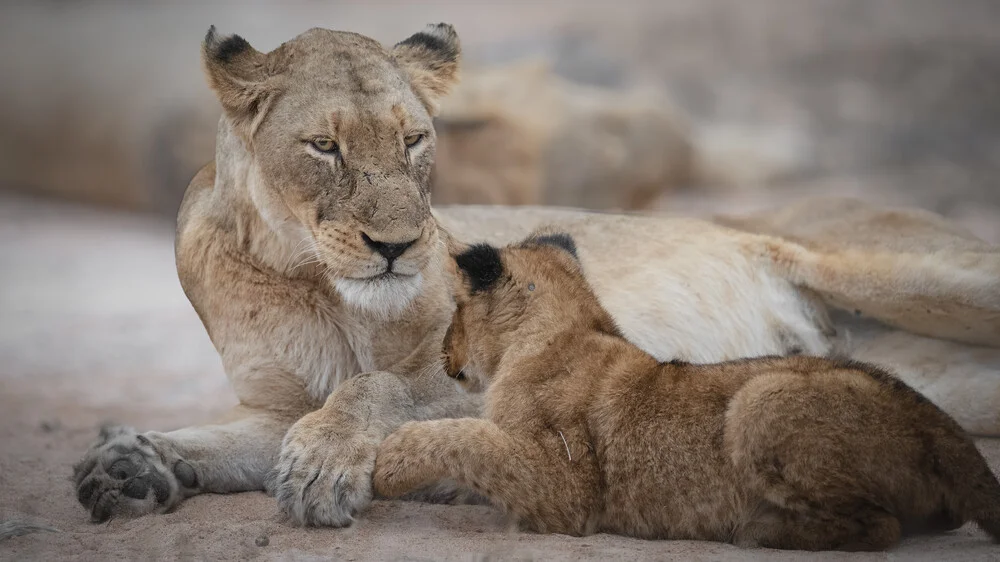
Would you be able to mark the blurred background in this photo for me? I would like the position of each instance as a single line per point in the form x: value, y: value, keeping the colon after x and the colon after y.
x: 675, y: 104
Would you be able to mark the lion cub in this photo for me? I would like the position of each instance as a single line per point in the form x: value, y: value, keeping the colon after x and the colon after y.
x: 584, y: 432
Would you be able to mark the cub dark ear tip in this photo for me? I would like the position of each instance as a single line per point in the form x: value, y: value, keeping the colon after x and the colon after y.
x: 442, y: 28
x: 558, y: 240
x: 481, y: 265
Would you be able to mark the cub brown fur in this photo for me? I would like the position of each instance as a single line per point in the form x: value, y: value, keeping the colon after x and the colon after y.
x: 585, y: 432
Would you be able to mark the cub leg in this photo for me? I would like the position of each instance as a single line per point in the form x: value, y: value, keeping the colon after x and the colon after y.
x: 866, y: 529
x: 515, y: 473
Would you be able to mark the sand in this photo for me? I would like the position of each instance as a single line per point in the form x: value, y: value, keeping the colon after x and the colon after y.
x: 94, y: 328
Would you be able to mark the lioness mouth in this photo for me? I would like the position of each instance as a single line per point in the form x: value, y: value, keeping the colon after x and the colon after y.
x: 384, y: 276
x: 385, y: 294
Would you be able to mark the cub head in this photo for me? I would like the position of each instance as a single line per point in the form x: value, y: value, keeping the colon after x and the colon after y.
x: 515, y: 297
x: 333, y: 135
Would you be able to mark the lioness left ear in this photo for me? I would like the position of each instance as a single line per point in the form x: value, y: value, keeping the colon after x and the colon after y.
x: 243, y: 78
x: 430, y: 59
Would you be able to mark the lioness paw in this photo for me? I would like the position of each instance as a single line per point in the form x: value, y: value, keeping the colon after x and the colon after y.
x: 324, y: 477
x: 128, y: 474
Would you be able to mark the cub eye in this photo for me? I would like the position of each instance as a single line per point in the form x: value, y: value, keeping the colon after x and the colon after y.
x: 413, y: 140
x: 324, y: 144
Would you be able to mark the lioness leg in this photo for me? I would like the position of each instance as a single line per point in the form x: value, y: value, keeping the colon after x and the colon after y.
x: 324, y: 471
x: 128, y: 473
x: 513, y: 473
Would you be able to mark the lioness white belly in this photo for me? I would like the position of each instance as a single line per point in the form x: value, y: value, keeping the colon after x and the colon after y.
x: 678, y: 288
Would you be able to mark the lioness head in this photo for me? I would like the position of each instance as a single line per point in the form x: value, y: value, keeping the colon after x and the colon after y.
x: 513, y: 297
x: 334, y: 135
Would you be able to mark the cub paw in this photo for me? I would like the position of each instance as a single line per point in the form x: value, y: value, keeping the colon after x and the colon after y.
x: 393, y: 477
x: 406, y: 468
x: 128, y: 474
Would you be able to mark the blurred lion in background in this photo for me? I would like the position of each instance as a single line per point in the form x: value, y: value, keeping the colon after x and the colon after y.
x: 520, y: 134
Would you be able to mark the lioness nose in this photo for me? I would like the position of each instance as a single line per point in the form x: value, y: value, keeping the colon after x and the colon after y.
x: 389, y: 251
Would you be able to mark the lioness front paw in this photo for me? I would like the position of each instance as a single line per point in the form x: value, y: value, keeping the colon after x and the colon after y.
x: 324, y: 475
x: 128, y: 474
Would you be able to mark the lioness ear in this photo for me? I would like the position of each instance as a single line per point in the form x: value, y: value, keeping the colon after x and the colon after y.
x: 241, y: 77
x: 481, y: 266
x: 430, y: 59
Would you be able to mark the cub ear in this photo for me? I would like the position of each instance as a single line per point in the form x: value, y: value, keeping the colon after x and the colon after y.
x: 241, y: 78
x: 430, y: 59
x: 480, y: 266
x: 559, y: 240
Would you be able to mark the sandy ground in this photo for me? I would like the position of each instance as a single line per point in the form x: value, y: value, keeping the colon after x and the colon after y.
x: 94, y: 328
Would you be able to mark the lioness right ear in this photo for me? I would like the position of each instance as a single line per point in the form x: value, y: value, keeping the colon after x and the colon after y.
x: 430, y: 59
x: 241, y: 78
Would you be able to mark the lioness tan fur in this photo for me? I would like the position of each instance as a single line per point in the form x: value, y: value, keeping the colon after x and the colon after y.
x: 312, y: 255
x: 585, y: 432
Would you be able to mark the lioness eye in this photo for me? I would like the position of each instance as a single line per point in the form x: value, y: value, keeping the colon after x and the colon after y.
x: 413, y: 140
x: 324, y: 144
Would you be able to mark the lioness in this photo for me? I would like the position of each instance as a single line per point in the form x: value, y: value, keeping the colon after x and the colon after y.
x: 585, y: 432
x: 312, y: 256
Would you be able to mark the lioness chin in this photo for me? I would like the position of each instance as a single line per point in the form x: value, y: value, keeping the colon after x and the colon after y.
x: 585, y: 432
